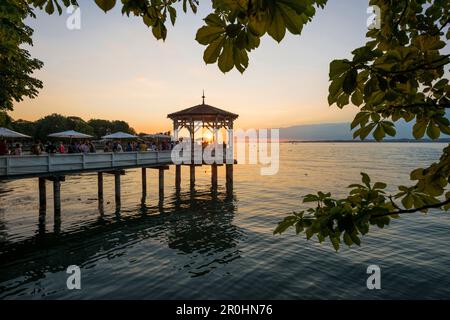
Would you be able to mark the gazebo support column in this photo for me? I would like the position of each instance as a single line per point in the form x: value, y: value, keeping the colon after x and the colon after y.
x: 178, y: 176
x: 214, y: 176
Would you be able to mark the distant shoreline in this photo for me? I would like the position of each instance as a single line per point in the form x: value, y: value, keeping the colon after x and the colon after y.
x: 368, y: 141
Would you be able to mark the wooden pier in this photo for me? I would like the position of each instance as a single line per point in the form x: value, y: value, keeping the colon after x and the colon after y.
x: 55, y: 168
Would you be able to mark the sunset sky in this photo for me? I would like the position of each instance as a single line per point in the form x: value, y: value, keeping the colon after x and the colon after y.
x: 113, y: 68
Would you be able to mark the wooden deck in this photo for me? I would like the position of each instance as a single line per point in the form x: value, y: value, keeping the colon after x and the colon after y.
x: 28, y: 166
x: 54, y: 168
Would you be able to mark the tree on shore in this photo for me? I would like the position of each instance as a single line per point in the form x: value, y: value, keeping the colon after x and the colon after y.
x: 398, y: 74
x: 41, y: 128
x: 16, y: 64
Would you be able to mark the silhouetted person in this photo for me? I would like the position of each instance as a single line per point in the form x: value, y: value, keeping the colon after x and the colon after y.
x: 36, y: 148
x: 92, y: 148
x: 50, y: 148
x: 72, y: 148
x: 18, y: 150
x: 61, y: 148
x: 3, y: 148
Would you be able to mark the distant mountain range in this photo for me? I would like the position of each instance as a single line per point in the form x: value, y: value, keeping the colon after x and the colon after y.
x: 338, y: 131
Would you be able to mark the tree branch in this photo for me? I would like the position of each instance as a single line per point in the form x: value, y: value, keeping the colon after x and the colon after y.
x: 426, y: 66
x: 430, y: 206
x: 421, y: 105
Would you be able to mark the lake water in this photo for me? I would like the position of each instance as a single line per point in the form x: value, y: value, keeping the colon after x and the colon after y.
x: 201, y: 245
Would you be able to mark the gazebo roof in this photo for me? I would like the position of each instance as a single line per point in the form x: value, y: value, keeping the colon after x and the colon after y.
x: 202, y: 112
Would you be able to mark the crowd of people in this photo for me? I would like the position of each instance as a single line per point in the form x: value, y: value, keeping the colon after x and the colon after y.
x: 85, y: 147
x: 12, y: 150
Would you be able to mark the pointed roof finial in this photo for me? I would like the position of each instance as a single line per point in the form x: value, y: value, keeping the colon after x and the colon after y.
x: 203, y: 96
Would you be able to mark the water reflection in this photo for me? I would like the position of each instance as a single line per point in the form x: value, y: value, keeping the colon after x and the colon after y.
x: 198, y: 222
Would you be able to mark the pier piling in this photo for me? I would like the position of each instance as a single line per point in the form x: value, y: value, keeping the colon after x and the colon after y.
x: 229, y: 176
x: 117, y: 186
x: 42, y: 195
x: 161, y: 183
x: 178, y: 177
x: 214, y: 176
x: 144, y: 182
x: 192, y: 175
x: 100, y: 186
x: 57, y: 195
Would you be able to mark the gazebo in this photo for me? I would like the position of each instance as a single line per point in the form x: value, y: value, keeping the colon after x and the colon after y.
x: 209, y: 117
x: 203, y: 116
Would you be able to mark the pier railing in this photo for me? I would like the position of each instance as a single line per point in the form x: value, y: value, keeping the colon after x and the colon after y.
x: 38, y: 165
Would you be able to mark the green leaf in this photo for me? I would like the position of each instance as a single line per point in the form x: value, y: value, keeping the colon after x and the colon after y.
x: 292, y: 19
x: 433, y: 130
x: 285, y: 224
x: 342, y: 101
x: 257, y: 25
x: 172, y: 14
x: 207, y: 34
x: 226, y: 61
x: 213, y: 50
x: 299, y: 6
x: 349, y: 84
x: 379, y: 185
x: 361, y: 119
x: 365, y: 179
x: 49, y: 8
x: 357, y: 98
x: 363, y: 132
x: 419, y: 129
x: 106, y: 5
x: 389, y: 128
x: 159, y: 30
x: 408, y: 201
x: 277, y: 28
x: 335, y: 241
x: 355, y: 239
x: 379, y: 133
x: 240, y: 59
x: 214, y: 20
x: 338, y: 67
x: 348, y: 239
